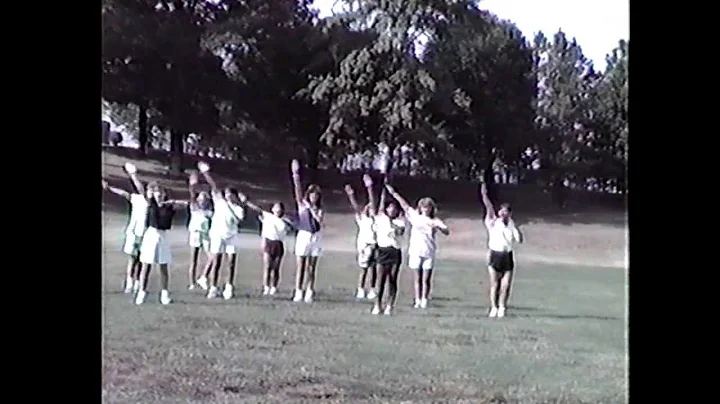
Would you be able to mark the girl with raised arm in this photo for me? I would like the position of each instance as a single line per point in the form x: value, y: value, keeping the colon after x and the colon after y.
x: 308, y: 246
x: 502, y: 236
x: 390, y: 228
x: 155, y: 247
x: 223, y: 235
x: 135, y: 227
x: 422, y: 248
x: 366, y: 242
x: 275, y: 228
x: 201, y: 212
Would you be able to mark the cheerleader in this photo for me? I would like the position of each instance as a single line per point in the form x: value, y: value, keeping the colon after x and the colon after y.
x: 200, y: 214
x: 155, y: 248
x: 366, y: 243
x: 135, y: 227
x: 390, y: 228
x: 223, y: 236
x: 275, y: 228
x: 422, y: 248
x: 308, y: 242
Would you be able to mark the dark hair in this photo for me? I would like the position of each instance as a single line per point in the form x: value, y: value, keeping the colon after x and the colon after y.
x: 312, y: 188
x: 231, y: 190
x: 279, y: 204
x: 506, y: 206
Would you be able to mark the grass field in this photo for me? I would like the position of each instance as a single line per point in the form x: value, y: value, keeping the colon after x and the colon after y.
x: 563, y: 341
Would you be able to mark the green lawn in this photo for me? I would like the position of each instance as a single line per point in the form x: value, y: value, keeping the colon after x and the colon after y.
x: 562, y: 342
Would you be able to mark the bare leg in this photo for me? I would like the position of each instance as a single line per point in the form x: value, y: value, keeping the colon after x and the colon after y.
x: 300, y: 273
x: 427, y: 282
x: 505, y: 282
x: 393, y: 280
x: 210, y: 265
x: 384, y: 277
x: 164, y: 277
x: 361, y: 278
x: 193, y: 265
x: 418, y: 284
x: 373, y: 269
x: 312, y: 272
x: 144, y: 276
x: 215, y: 273
x: 231, y: 267
x: 267, y: 269
x: 130, y: 271
x: 494, y: 286
x: 137, y: 267
x: 275, y: 273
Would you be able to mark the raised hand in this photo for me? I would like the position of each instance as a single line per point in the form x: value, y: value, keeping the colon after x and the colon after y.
x: 203, y: 167
x: 295, y: 167
x: 193, y: 179
x: 367, y: 180
x: 130, y: 168
x: 349, y: 190
x: 242, y: 197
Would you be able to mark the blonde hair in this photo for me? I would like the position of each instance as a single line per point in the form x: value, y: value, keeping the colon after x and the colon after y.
x: 428, y: 202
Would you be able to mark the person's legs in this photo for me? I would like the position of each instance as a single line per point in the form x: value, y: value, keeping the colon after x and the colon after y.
x: 427, y: 282
x: 274, y: 277
x: 144, y: 276
x: 373, y: 269
x: 130, y: 272
x: 384, y: 277
x: 228, y: 292
x: 418, y: 286
x: 393, y: 286
x: 494, y: 285
x: 164, y: 282
x: 214, y: 276
x: 192, y: 272
x: 362, y: 275
x: 311, y: 277
x: 267, y: 272
x: 505, y: 282
x: 299, y: 277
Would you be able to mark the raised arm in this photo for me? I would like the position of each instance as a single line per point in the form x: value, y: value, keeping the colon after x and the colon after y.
x: 297, y: 185
x: 403, y: 203
x: 244, y: 200
x: 489, y: 208
x: 367, y: 180
x: 131, y: 170
x: 192, y: 184
x: 117, y: 191
x: 204, y: 169
x: 351, y: 197
x: 176, y: 203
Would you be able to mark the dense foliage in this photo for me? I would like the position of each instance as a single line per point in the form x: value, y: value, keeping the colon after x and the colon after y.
x: 457, y: 81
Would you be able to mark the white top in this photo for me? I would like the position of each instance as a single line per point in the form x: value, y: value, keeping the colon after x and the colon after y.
x: 389, y: 232
x: 422, y: 234
x: 200, y: 220
x: 226, y: 218
x: 138, y: 215
x: 273, y: 227
x: 501, y: 237
x: 366, y: 230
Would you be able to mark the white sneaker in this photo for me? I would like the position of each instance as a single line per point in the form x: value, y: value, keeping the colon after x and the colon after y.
x: 493, y: 312
x: 228, y: 292
x: 376, y: 310
x: 423, y: 303
x: 212, y: 292
x: 136, y: 286
x: 298, y: 295
x: 388, y: 310
x: 202, y: 282
x: 266, y: 290
x: 501, y: 312
x: 272, y: 290
x: 165, y: 297
x: 417, y: 304
x: 128, y: 285
x: 360, y: 293
x: 191, y: 287
x: 140, y: 297
x: 371, y: 295
x: 309, y: 296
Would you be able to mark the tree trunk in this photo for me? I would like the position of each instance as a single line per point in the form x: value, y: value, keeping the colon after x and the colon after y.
x: 142, y: 128
x: 176, y: 151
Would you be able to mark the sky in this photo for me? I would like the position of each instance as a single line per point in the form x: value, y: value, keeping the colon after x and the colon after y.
x: 597, y: 25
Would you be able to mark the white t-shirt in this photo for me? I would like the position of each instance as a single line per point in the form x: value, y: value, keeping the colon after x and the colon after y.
x: 422, y: 234
x: 225, y: 219
x: 501, y: 237
x: 385, y: 229
x: 366, y: 230
x: 273, y: 227
x: 200, y: 220
x: 138, y: 215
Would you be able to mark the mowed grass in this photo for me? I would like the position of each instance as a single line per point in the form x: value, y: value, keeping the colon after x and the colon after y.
x: 562, y: 342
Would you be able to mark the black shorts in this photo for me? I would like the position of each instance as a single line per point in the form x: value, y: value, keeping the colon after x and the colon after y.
x: 501, y: 261
x: 388, y: 256
x: 274, y: 248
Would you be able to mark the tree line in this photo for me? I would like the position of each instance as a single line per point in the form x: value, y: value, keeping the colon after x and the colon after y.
x: 459, y: 81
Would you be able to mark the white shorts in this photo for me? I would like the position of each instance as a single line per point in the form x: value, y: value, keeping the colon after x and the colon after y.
x: 308, y: 244
x: 132, y: 244
x: 366, y: 255
x: 199, y: 239
x: 155, y: 247
x: 219, y: 245
x: 416, y: 262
